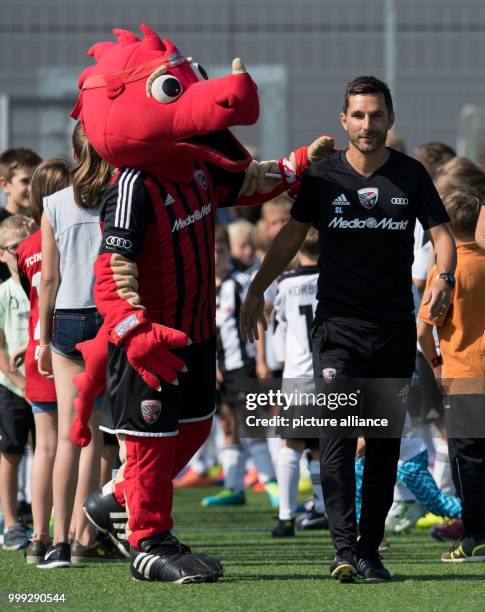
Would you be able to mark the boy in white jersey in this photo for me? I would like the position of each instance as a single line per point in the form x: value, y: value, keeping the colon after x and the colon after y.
x: 295, y: 306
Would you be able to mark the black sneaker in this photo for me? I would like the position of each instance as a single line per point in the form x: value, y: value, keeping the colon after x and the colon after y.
x: 371, y: 569
x: 106, y: 514
x: 284, y: 529
x: 103, y: 550
x: 344, y: 567
x: 35, y: 551
x: 164, y: 558
x: 57, y: 555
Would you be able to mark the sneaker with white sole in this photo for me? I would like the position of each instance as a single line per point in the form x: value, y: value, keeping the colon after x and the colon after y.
x: 16, y: 537
x: 57, y: 555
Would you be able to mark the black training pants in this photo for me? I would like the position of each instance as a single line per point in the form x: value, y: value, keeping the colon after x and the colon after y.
x: 345, y: 350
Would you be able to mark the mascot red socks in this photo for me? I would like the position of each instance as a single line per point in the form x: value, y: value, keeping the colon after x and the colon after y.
x: 154, y: 115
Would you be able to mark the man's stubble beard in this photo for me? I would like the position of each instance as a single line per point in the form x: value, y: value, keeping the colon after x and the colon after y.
x: 379, y: 143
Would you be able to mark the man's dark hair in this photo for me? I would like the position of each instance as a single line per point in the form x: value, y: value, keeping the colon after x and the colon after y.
x: 433, y: 155
x: 368, y: 85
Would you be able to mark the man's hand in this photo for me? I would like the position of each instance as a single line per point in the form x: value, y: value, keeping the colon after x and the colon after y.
x: 437, y: 295
x: 147, y: 350
x: 252, y: 311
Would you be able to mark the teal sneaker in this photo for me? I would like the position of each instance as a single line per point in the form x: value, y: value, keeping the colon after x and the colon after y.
x: 227, y: 497
x: 272, y: 490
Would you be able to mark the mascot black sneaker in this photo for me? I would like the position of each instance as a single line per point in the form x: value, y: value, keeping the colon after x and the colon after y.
x: 164, y: 558
x: 107, y: 515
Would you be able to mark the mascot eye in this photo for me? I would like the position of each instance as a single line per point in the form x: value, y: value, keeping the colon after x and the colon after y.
x: 166, y: 89
x: 200, y: 72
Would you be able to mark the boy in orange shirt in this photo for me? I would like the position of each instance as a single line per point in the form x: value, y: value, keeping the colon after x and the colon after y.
x: 461, y: 330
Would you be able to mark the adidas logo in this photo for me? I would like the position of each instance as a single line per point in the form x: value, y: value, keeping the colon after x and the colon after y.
x: 341, y: 200
x: 169, y: 200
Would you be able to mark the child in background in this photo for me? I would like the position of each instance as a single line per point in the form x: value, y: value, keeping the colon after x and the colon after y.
x: 461, y: 329
x: 295, y: 305
x: 49, y: 177
x: 235, y: 362
x: 71, y: 237
x: 16, y: 168
x: 15, y: 414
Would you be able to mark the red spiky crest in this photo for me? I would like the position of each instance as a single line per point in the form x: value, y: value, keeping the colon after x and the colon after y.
x: 125, y: 37
x: 99, y: 49
x: 151, y: 40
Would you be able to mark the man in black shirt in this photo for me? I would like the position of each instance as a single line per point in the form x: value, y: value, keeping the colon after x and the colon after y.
x: 365, y: 201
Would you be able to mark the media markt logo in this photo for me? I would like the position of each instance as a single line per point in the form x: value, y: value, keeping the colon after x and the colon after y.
x: 370, y: 223
x: 197, y: 215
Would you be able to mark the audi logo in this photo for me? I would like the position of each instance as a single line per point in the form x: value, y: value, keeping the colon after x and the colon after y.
x: 401, y: 201
x: 116, y: 241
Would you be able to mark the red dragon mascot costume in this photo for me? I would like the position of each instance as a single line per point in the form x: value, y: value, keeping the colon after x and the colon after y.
x: 154, y: 116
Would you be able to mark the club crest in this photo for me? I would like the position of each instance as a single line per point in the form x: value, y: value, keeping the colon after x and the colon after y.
x: 368, y: 197
x: 151, y: 410
x: 329, y: 374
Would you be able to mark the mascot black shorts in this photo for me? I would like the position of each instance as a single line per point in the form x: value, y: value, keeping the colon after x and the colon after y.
x: 132, y: 407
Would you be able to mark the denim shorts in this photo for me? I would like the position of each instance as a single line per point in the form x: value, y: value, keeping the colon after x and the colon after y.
x: 71, y: 327
x: 42, y: 407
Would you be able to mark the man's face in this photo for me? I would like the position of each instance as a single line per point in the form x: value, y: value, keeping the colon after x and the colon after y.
x: 18, y: 188
x: 367, y: 122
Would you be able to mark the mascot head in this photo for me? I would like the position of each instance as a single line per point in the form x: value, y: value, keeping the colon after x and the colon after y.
x: 144, y: 105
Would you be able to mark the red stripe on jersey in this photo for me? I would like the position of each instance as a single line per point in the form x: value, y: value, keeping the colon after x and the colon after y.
x: 37, y: 388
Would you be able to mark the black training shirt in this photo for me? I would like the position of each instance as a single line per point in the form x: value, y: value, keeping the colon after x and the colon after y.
x: 366, y: 229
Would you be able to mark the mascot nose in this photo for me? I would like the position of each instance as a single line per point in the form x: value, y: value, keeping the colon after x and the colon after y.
x: 228, y: 101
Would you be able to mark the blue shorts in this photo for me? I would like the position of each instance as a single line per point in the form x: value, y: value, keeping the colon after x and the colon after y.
x: 41, y: 407
x: 71, y: 327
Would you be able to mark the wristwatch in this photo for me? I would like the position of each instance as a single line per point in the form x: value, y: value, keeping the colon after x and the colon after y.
x: 448, y: 277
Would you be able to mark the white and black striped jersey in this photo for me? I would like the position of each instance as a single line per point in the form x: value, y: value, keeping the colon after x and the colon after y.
x: 295, y: 305
x: 232, y: 352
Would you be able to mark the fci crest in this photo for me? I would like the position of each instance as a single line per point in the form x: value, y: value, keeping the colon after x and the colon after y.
x: 368, y: 197
x: 150, y: 410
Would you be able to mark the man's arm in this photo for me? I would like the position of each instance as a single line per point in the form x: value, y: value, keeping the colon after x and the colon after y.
x: 480, y: 229
x: 437, y: 294
x: 281, y: 252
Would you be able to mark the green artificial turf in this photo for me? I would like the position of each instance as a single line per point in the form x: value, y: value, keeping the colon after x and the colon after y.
x: 261, y: 573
